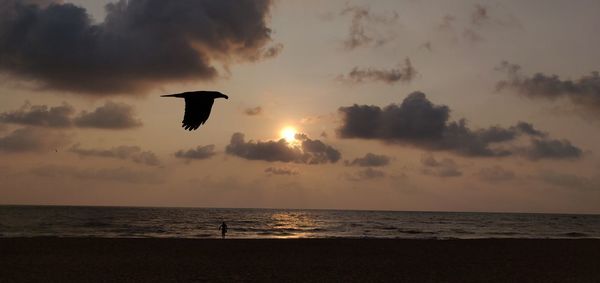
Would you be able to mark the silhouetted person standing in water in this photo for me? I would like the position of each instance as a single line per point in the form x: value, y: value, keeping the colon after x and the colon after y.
x: 223, y: 228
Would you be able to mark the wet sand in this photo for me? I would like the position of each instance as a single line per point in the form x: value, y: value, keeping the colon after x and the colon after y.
x: 321, y: 260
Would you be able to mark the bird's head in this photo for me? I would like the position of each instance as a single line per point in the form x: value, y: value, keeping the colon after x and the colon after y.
x: 220, y: 95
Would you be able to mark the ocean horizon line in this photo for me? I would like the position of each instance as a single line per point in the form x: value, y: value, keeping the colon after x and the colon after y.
x: 309, y: 209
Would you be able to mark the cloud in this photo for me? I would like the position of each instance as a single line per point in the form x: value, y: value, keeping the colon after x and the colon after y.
x: 363, y: 27
x: 427, y: 46
x: 552, y: 149
x: 120, y: 174
x: 480, y: 15
x: 254, y: 111
x: 500, y: 16
x: 420, y: 123
x: 319, y: 119
x: 282, y: 171
x: 583, y: 93
x: 317, y: 152
x: 273, y: 51
x: 32, y: 140
x: 133, y: 153
x: 110, y: 116
x: 357, y: 75
x: 199, y: 153
x: 528, y: 129
x: 472, y: 36
x: 447, y: 23
x: 307, y: 151
x: 40, y: 115
x: 370, y: 160
x: 495, y: 174
x: 140, y: 45
x: 444, y: 168
x: 482, y: 19
x: 415, y: 119
x: 569, y: 181
x: 366, y: 174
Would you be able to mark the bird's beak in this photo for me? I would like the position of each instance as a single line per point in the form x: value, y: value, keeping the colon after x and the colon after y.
x: 172, y: 95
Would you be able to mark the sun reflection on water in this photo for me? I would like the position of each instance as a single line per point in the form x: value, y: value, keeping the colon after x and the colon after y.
x: 293, y: 225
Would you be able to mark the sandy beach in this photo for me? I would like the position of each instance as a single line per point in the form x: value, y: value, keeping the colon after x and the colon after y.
x: 321, y: 260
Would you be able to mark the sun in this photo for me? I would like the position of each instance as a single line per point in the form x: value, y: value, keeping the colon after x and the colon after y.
x: 289, y: 134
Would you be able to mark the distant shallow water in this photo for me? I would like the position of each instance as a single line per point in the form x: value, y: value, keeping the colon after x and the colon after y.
x: 136, y: 222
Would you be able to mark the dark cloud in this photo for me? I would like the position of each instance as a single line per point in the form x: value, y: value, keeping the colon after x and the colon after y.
x: 528, y: 129
x: 444, y: 168
x: 495, y: 174
x: 366, y: 174
x: 40, y: 115
x: 496, y: 134
x: 370, y: 160
x: 282, y: 171
x: 552, y: 149
x: 110, y: 116
x: 415, y: 119
x: 140, y: 44
x: 363, y: 31
x: 120, y: 174
x: 254, y: 111
x: 133, y: 153
x: 307, y: 151
x: 268, y: 151
x: 583, y: 93
x: 405, y: 73
x: 32, y: 140
x: 199, y: 153
x: 317, y: 152
x: 418, y: 122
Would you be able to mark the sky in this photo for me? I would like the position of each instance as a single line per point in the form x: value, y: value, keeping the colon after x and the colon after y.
x: 411, y: 105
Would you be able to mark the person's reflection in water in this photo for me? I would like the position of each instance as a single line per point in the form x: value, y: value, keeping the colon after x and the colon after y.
x: 223, y: 228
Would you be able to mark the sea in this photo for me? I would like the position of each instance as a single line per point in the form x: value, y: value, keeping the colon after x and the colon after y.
x: 147, y: 222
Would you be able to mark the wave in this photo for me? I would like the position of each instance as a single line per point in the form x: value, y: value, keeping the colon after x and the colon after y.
x: 575, y: 235
x: 505, y: 233
x: 415, y: 232
x: 95, y: 224
x: 257, y: 223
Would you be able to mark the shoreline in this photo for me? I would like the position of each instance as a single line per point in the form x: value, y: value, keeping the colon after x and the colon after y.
x: 54, y: 259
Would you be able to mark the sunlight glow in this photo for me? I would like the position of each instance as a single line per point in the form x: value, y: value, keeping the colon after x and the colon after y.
x: 289, y: 134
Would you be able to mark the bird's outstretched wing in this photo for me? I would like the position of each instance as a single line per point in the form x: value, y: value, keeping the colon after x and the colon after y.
x: 197, y: 110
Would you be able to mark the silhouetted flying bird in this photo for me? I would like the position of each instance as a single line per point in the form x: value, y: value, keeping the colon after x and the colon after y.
x: 197, y: 107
